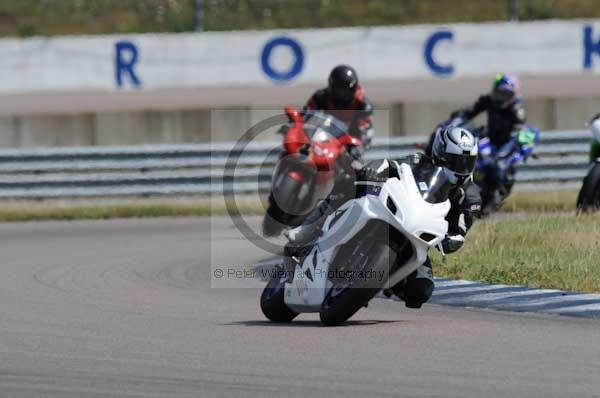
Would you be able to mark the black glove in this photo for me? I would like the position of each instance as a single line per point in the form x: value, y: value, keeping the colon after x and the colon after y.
x: 455, y: 114
x: 283, y: 129
x: 452, y: 243
x: 356, y: 152
x: 369, y: 174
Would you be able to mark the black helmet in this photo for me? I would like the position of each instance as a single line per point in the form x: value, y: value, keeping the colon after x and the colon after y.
x: 343, y: 83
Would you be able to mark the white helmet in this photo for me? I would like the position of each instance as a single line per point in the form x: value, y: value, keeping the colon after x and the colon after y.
x: 595, y: 127
x: 455, y: 150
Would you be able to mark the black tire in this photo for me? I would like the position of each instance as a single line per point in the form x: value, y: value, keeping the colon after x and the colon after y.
x: 276, y: 220
x: 272, y: 304
x: 345, y: 297
x: 271, y: 226
x: 589, y: 195
x: 487, y: 192
x: 488, y: 201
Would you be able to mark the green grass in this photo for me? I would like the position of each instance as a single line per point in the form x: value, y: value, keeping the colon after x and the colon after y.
x: 61, y: 17
x: 550, y: 251
x: 68, y: 211
x: 547, y: 201
x: 559, y: 201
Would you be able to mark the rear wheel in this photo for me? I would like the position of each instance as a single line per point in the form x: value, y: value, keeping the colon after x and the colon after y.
x: 486, y: 183
x: 359, y: 274
x: 589, y: 196
x: 272, y: 303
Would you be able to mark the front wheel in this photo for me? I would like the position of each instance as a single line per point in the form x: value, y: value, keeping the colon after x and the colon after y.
x: 589, y: 196
x: 371, y: 262
x: 272, y: 303
x: 275, y: 220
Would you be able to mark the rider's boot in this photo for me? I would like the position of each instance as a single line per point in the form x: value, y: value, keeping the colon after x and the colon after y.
x: 308, y: 231
x: 417, y: 288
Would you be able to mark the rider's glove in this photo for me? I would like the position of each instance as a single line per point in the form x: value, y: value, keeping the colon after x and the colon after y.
x: 369, y: 174
x: 356, y: 152
x: 455, y: 114
x: 283, y: 129
x: 452, y: 243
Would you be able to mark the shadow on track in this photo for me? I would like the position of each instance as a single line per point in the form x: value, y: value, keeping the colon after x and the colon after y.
x: 309, y: 323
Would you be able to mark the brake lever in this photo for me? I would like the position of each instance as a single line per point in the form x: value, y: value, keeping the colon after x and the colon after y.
x: 441, y: 249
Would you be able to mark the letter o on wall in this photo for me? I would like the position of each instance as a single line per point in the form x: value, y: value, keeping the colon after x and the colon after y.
x: 297, y: 66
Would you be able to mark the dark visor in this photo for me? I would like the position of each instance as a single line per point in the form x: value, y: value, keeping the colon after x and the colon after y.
x: 342, y: 92
x: 502, y: 95
x: 461, y: 164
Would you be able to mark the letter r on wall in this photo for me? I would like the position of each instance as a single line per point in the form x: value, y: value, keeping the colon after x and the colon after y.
x: 126, y: 57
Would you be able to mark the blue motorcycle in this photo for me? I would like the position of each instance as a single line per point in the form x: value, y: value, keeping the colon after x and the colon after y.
x: 496, y: 166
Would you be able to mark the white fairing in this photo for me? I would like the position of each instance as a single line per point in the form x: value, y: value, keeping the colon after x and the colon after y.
x: 595, y: 127
x: 413, y: 217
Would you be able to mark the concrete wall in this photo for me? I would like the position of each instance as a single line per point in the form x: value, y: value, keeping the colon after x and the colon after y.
x: 123, y: 128
x: 213, y: 86
x: 203, y: 125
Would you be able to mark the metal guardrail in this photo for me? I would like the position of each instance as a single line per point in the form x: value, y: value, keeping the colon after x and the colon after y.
x: 199, y: 168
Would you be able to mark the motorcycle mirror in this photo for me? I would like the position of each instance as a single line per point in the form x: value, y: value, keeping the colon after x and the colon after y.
x: 349, y: 140
x: 293, y: 114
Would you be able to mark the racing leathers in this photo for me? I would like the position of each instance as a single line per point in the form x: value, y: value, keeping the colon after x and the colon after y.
x: 502, y: 121
x: 418, y: 287
x: 357, y: 114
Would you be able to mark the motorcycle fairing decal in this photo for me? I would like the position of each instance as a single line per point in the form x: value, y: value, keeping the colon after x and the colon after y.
x: 337, y: 215
x: 373, y: 190
x: 307, y: 289
x: 308, y: 274
x: 526, y: 137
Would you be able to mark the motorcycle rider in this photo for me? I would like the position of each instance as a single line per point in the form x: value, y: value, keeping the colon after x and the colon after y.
x: 455, y: 151
x: 345, y: 99
x: 504, y: 107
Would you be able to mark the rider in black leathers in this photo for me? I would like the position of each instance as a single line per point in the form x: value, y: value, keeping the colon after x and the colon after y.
x: 504, y: 107
x: 345, y: 99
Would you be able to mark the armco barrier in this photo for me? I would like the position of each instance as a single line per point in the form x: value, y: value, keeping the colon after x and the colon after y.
x: 199, y: 168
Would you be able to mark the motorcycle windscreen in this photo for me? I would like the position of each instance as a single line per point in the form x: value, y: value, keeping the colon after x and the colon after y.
x: 318, y: 122
x: 438, y: 187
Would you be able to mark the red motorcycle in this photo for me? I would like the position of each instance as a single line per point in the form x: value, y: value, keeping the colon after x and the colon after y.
x: 315, y: 161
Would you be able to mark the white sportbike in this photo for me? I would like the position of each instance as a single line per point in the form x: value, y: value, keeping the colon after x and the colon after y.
x: 368, y: 244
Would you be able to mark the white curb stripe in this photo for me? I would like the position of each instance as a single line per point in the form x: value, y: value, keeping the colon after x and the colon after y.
x: 463, y: 293
x: 495, y: 299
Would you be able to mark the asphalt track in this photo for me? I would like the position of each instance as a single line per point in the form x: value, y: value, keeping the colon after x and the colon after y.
x: 125, y: 308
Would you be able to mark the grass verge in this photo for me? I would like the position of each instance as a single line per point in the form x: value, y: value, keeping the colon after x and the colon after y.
x: 558, y: 201
x: 543, y: 201
x: 550, y: 251
x: 14, y: 212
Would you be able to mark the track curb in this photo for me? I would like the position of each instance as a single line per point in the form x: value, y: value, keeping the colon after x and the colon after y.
x: 511, y: 298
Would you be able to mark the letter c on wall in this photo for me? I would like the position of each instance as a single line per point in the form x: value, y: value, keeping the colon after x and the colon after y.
x: 430, y: 43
